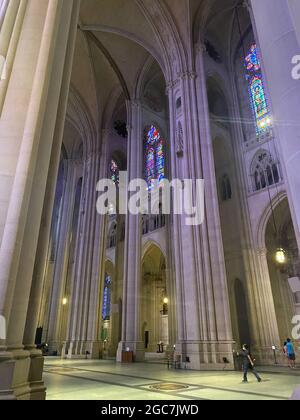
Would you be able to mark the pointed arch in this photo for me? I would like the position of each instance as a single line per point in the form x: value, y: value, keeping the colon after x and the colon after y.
x: 265, y: 217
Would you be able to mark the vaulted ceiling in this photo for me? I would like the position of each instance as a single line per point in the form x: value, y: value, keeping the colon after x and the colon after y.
x: 118, y: 38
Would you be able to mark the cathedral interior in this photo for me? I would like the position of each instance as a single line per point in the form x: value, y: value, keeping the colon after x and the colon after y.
x: 162, y: 90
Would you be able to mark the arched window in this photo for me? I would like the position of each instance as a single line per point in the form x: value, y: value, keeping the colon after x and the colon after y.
x: 106, y: 304
x: 114, y: 171
x: 154, y: 157
x: 112, y: 237
x: 265, y: 171
x: 258, y: 98
x: 226, y: 190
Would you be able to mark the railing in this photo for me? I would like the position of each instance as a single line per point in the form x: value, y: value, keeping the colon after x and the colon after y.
x: 153, y: 223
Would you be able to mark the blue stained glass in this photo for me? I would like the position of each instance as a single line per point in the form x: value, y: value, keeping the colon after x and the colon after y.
x: 154, y: 157
x: 106, y: 304
x: 115, y: 172
x: 258, y: 98
x: 252, y: 60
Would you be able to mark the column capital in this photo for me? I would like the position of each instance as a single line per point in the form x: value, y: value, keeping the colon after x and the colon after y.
x: 200, y: 47
x: 133, y: 103
x: 187, y: 75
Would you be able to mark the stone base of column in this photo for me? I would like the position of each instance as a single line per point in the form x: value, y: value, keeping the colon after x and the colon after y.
x: 82, y: 350
x: 55, y: 348
x: 94, y: 349
x: 205, y: 355
x: 14, y: 374
x: 35, y: 378
x: 138, y: 349
x: 265, y: 356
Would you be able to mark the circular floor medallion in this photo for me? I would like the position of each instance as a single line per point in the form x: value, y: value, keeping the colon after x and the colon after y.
x: 169, y: 387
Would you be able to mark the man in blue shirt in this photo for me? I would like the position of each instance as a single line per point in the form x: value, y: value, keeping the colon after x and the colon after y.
x: 291, y: 354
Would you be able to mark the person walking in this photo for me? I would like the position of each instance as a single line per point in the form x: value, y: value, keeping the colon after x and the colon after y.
x: 284, y: 351
x: 248, y: 364
x: 291, y: 354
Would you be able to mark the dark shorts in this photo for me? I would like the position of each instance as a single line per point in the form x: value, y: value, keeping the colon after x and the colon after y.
x: 292, y: 357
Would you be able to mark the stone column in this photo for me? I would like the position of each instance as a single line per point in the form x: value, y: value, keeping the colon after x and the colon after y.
x: 97, y: 273
x: 203, y: 317
x: 86, y: 281
x: 294, y: 7
x: 3, y: 8
x: 260, y: 305
x: 266, y: 331
x: 54, y: 314
x: 39, y: 274
x: 12, y: 21
x: 277, y: 38
x: 37, y: 71
x: 131, y: 334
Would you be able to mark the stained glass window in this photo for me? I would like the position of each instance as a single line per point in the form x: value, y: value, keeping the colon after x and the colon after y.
x: 258, y: 98
x: 154, y: 157
x: 114, y: 171
x: 106, y: 298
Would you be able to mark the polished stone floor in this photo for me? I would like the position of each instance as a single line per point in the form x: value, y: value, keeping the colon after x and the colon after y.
x: 106, y: 380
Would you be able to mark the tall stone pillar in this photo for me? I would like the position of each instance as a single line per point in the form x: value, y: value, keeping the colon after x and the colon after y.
x: 294, y: 7
x: 62, y: 266
x: 260, y: 305
x: 44, y: 234
x: 203, y: 317
x: 277, y: 38
x: 86, y: 281
x: 35, y: 86
x: 266, y: 331
x: 3, y: 8
x: 97, y: 261
x: 11, y: 21
x: 131, y: 334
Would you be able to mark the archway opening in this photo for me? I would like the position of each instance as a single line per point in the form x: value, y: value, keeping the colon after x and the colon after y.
x: 154, y: 303
x: 242, y: 312
x: 280, y: 234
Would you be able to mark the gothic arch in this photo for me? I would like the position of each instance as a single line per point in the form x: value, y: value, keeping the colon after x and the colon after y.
x: 150, y: 244
x: 128, y: 35
x: 216, y: 84
x: 165, y: 29
x: 265, y: 217
x: 110, y: 107
x: 201, y: 19
x: 79, y: 116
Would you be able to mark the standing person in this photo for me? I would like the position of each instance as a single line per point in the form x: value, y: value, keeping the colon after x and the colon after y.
x: 248, y: 364
x: 291, y: 354
x: 284, y: 351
